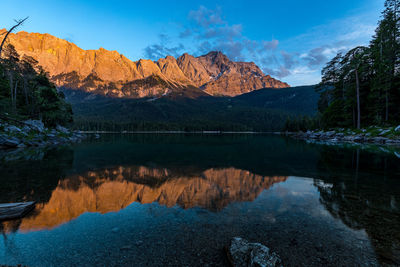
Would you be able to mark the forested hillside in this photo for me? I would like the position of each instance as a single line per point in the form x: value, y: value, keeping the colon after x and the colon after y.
x: 262, y: 110
x: 362, y: 87
x: 300, y: 100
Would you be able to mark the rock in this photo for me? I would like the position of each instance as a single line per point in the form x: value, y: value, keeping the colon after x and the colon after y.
x: 26, y: 129
x: 36, y: 125
x: 380, y: 140
x: 62, y: 129
x: 330, y: 133
x: 358, y: 138
x: 397, y: 129
x: 241, y: 253
x: 12, y: 129
x: 349, y: 138
x: 9, y: 141
x: 383, y: 132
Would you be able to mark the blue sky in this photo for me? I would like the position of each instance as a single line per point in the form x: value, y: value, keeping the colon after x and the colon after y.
x: 289, y: 39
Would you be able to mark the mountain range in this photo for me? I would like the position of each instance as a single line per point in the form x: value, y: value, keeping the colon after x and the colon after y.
x: 110, y: 73
x: 108, y: 91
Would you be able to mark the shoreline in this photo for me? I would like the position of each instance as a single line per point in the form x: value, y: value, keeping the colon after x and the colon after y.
x: 380, y: 137
x: 174, y: 132
x: 35, y: 134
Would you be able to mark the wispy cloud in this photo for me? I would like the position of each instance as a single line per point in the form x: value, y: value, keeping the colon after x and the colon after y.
x: 321, y: 43
x: 163, y: 48
x: 207, y: 30
x: 297, y: 60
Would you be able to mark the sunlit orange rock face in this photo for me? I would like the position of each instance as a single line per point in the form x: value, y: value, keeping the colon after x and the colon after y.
x: 113, y: 189
x: 110, y: 73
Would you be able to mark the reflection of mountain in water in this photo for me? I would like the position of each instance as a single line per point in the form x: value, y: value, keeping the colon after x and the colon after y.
x: 114, y: 189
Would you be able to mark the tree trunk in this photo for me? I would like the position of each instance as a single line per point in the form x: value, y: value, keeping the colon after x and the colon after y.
x: 387, y: 106
x: 26, y: 92
x: 15, y: 98
x: 358, y: 101
x: 11, y: 81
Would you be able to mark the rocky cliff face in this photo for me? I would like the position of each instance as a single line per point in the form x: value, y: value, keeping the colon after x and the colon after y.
x: 110, y: 73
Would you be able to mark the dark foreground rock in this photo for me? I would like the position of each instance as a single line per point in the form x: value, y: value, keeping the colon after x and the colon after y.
x: 241, y: 253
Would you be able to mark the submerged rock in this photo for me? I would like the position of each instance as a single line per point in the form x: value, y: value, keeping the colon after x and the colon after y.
x: 241, y: 253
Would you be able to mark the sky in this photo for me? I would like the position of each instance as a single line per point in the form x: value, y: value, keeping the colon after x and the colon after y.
x: 288, y: 39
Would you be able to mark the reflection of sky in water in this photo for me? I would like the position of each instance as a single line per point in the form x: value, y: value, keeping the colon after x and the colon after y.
x: 95, y: 238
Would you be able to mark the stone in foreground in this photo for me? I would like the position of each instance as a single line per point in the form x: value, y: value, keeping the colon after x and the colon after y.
x: 10, y: 211
x: 241, y: 253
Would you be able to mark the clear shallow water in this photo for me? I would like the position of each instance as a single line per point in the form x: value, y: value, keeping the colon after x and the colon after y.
x: 161, y: 200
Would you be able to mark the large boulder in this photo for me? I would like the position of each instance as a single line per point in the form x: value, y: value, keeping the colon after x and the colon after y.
x: 36, y: 125
x: 242, y: 253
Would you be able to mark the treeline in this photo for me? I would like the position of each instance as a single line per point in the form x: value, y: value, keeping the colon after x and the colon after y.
x: 188, y: 120
x: 301, y: 123
x: 362, y: 87
x: 100, y: 113
x: 135, y: 126
x: 26, y: 92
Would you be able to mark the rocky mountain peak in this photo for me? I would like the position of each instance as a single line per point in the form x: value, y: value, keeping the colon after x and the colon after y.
x: 72, y: 67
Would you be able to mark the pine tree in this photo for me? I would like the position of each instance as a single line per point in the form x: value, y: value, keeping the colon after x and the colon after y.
x: 362, y: 87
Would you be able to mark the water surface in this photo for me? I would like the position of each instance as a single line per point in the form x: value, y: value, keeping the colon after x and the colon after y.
x: 157, y: 200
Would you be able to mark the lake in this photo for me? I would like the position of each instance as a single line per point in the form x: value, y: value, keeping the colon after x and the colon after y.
x: 178, y: 199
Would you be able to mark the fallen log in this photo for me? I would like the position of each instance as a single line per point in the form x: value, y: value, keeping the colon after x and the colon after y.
x: 10, y: 211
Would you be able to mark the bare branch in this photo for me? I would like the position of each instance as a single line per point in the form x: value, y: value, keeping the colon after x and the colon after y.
x: 18, y: 23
